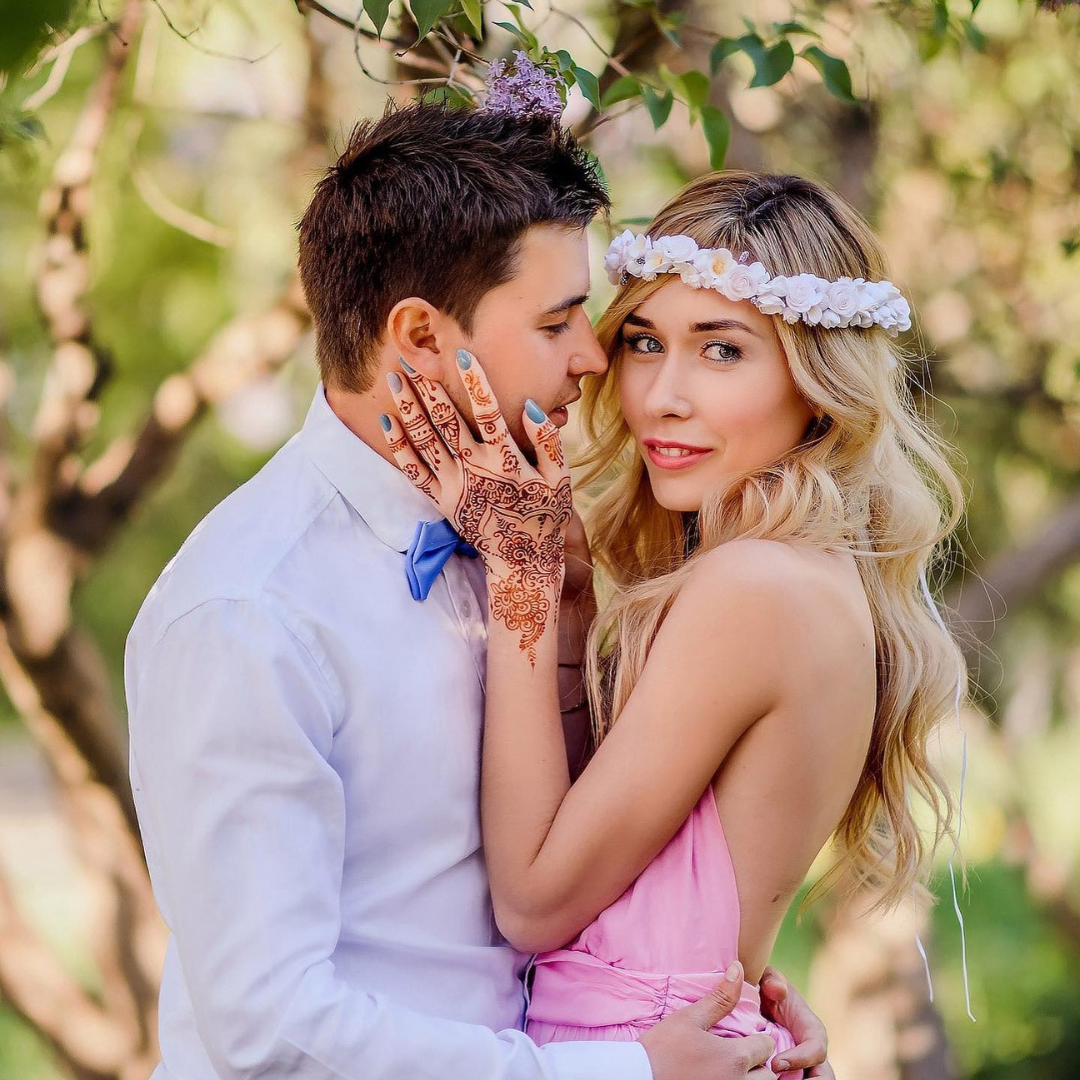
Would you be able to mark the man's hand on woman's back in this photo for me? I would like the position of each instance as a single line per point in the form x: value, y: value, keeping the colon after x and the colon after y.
x: 682, y: 1047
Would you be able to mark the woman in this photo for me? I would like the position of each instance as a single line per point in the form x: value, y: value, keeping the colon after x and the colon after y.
x: 767, y: 672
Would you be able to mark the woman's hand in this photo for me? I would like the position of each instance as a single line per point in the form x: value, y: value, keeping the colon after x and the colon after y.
x: 515, y: 515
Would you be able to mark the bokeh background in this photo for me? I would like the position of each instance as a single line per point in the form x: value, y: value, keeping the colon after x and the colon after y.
x: 154, y: 351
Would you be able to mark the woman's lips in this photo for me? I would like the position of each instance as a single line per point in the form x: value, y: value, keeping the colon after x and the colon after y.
x: 674, y: 455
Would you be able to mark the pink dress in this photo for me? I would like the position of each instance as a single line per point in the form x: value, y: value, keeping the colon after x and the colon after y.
x: 662, y: 945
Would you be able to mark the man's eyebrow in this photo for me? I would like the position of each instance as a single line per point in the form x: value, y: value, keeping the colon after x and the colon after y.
x: 566, y: 305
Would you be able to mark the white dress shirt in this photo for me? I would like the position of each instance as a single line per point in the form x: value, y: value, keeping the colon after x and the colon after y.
x: 305, y: 751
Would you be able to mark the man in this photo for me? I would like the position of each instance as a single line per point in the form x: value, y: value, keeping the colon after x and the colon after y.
x: 305, y: 680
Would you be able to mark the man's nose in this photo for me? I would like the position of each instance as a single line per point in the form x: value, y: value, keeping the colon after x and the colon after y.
x: 588, y: 357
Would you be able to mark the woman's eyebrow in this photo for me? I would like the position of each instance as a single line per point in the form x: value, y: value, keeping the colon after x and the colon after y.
x: 721, y: 324
x: 696, y: 328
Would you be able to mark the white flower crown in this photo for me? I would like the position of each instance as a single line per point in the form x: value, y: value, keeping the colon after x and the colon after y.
x: 802, y: 298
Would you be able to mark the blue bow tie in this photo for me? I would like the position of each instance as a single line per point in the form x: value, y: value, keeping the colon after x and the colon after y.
x: 433, y: 544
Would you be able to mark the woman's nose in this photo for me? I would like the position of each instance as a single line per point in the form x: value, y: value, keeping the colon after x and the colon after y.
x: 666, y: 395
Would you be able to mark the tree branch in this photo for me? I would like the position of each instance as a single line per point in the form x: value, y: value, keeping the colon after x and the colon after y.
x: 86, y: 1039
x: 1015, y: 575
x: 79, y: 367
x: 249, y: 348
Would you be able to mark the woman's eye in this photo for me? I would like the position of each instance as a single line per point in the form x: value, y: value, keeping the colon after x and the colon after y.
x: 644, y: 343
x: 722, y: 351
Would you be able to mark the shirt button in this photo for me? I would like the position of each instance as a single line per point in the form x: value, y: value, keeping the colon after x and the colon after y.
x: 468, y: 608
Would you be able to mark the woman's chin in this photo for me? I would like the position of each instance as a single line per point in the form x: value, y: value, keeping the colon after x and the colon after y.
x: 679, y: 498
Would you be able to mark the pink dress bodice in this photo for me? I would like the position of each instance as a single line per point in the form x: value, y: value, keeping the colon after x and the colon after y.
x: 663, y: 944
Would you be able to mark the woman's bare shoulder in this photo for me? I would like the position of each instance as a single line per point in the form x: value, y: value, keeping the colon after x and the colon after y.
x: 788, y: 592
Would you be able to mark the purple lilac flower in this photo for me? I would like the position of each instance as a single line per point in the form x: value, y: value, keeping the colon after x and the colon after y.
x: 522, y: 88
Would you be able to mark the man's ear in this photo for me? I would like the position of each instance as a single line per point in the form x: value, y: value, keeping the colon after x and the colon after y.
x: 421, y: 334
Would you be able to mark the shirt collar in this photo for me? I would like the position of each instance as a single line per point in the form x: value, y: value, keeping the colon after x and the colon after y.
x: 375, y: 489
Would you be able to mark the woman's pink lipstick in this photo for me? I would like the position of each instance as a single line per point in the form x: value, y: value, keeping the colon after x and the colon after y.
x: 688, y: 455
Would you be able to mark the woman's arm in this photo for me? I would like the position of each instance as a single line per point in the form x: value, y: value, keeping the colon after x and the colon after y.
x: 558, y: 854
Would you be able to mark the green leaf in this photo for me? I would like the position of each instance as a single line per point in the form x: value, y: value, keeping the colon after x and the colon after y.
x: 695, y: 86
x: 941, y: 17
x: 1071, y: 245
x: 754, y: 47
x: 27, y: 27
x: 659, y: 105
x: 454, y: 97
x: 834, y: 72
x: 474, y: 12
x: 378, y: 11
x: 622, y: 89
x: 774, y: 64
x: 669, y: 28
x: 518, y: 33
x: 976, y: 38
x: 635, y: 221
x: 23, y: 126
x: 930, y: 45
x: 590, y: 86
x: 724, y: 48
x: 428, y: 12
x: 782, y: 29
x: 566, y: 61
x: 717, y: 132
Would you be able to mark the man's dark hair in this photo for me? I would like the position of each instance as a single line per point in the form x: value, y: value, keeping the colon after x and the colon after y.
x: 430, y: 202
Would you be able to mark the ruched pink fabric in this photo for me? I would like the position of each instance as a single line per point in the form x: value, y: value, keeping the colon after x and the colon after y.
x: 662, y: 945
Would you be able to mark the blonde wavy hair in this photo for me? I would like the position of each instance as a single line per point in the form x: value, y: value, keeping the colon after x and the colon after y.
x: 869, y: 477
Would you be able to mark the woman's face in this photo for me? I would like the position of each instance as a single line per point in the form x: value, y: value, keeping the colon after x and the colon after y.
x: 706, y: 392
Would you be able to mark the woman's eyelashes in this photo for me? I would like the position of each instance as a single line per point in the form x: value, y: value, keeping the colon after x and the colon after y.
x: 718, y: 352
x: 646, y: 341
x: 722, y: 352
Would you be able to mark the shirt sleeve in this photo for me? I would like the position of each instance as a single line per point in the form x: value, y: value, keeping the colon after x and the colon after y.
x: 243, y: 817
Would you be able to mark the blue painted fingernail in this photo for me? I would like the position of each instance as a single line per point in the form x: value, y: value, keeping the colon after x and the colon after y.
x: 401, y: 361
x: 385, y: 421
x: 534, y: 412
x: 464, y: 360
x: 394, y: 381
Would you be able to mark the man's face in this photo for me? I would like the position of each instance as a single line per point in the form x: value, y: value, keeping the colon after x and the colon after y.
x: 531, y: 334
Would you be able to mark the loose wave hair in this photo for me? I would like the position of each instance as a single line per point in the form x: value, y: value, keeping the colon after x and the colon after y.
x: 869, y: 478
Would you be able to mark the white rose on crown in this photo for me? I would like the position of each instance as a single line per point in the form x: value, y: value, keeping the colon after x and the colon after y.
x: 642, y: 259
x: 847, y: 298
x: 803, y: 292
x: 678, y: 250
x: 616, y: 256
x: 711, y: 264
x: 770, y: 300
x: 743, y: 282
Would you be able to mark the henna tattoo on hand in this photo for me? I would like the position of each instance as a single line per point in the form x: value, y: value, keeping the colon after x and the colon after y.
x: 519, y: 528
x: 514, y: 516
